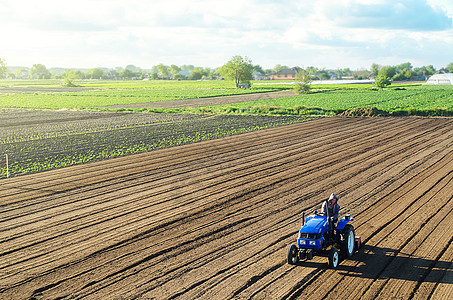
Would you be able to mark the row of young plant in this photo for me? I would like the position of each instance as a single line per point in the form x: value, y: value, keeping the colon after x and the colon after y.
x: 20, y: 125
x: 38, y: 154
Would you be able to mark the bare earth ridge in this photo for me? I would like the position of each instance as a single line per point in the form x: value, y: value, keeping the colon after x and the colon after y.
x: 212, y: 220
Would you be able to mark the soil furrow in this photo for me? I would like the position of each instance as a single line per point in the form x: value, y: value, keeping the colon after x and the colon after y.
x: 213, y: 219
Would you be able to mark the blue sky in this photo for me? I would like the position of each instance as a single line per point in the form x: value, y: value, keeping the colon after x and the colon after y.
x: 322, y: 33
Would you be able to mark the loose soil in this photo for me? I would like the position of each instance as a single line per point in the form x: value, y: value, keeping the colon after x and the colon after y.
x: 364, y: 112
x: 213, y: 220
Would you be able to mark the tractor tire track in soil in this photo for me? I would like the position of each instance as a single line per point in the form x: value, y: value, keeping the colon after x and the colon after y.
x: 213, y: 219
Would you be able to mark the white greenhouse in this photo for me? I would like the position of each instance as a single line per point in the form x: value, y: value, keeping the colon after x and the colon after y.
x: 441, y: 79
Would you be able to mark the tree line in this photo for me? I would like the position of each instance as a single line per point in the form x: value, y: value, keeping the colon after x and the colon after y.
x: 39, y: 71
x: 404, y: 71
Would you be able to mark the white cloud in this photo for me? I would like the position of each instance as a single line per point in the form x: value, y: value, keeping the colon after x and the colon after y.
x: 444, y: 5
x: 328, y: 33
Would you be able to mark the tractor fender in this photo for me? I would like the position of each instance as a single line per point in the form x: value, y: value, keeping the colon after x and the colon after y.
x: 343, y: 221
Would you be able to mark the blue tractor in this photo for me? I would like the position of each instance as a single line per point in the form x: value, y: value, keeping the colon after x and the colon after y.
x: 319, y: 233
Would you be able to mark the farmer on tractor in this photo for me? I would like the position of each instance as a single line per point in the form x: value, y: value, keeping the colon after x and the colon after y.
x: 334, y: 210
x: 320, y: 232
x: 333, y: 207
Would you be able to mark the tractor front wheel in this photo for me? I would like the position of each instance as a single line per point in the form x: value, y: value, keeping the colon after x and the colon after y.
x: 293, y: 256
x: 334, y: 258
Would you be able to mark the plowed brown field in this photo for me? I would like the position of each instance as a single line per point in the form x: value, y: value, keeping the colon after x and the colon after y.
x: 213, y: 220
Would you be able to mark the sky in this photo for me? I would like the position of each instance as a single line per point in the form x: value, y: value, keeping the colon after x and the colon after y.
x: 327, y: 34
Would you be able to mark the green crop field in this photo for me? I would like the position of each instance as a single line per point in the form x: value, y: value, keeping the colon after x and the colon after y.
x: 324, y: 99
x: 331, y: 100
x: 51, y: 95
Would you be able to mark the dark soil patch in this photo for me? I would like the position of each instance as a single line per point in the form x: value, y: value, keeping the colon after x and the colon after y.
x: 364, y: 112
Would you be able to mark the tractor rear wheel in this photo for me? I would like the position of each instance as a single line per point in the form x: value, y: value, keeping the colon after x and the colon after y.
x: 334, y: 258
x: 293, y: 256
x: 348, y: 243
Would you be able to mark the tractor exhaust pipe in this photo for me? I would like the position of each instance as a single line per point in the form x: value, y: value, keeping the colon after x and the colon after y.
x: 329, y: 221
x: 327, y: 209
x: 303, y: 218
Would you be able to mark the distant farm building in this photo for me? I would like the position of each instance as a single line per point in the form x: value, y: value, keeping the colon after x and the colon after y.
x: 441, y: 79
x: 285, y: 74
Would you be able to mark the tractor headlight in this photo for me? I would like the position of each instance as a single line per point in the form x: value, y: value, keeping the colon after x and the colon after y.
x: 302, y: 242
x: 312, y: 243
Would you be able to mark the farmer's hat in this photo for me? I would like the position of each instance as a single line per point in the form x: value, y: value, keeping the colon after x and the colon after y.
x: 333, y: 196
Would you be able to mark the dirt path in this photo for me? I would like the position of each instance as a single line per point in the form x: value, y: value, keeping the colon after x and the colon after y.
x: 210, y: 101
x: 213, y: 220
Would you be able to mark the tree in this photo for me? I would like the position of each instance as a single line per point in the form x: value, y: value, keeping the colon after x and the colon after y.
x: 404, y: 66
x: 404, y: 74
x: 174, y: 69
x: 238, y: 69
x: 323, y: 75
x: 127, y: 73
x: 449, y: 67
x: 303, y: 81
x: 339, y: 73
x: 39, y: 71
x: 279, y: 67
x: 312, y: 70
x: 196, y: 73
x: 3, y: 68
x: 361, y: 74
x: 187, y: 67
x: 382, y: 80
x: 399, y: 77
x: 19, y: 71
x: 375, y: 68
x: 387, y: 71
x: 258, y: 68
x: 132, y: 68
x: 163, y: 70
x: 208, y: 73
x: 68, y: 78
x: 96, y: 73
x: 347, y: 72
x: 427, y: 70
